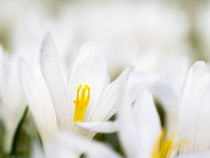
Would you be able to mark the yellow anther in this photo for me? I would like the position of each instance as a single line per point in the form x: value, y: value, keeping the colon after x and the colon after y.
x: 81, y: 103
x: 165, y: 147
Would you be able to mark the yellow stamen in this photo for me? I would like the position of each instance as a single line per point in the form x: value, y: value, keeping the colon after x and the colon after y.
x: 81, y: 103
x: 165, y: 147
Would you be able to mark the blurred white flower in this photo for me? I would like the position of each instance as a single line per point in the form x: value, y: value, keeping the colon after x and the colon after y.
x: 50, y: 97
x: 140, y: 129
x: 12, y: 101
x: 139, y: 126
x: 191, y: 106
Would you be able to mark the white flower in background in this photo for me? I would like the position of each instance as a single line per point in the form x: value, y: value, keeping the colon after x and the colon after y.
x: 67, y: 145
x: 57, y: 102
x: 142, y: 37
x: 137, y: 33
x: 12, y: 101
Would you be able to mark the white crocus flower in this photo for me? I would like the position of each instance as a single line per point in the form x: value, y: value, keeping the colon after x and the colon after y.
x: 12, y: 101
x: 56, y: 101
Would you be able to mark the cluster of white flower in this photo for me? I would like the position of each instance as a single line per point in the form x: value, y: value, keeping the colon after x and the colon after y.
x: 61, y: 96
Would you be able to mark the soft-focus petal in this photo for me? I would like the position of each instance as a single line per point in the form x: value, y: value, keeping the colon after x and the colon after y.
x: 147, y: 123
x: 39, y: 101
x: 52, y: 69
x: 195, y: 109
x: 12, y: 99
x: 127, y: 127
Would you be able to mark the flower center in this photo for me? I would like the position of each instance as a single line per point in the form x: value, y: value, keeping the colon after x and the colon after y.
x: 81, y: 103
x: 165, y: 147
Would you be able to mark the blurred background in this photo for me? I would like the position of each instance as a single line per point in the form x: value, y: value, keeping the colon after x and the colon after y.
x: 143, y: 33
x: 134, y: 31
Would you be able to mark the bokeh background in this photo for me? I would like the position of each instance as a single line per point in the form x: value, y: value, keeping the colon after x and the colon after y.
x: 143, y: 33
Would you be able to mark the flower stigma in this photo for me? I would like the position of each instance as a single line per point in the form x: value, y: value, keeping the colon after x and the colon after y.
x: 81, y: 103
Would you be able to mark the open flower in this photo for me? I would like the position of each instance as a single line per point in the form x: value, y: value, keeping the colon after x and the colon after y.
x: 57, y: 102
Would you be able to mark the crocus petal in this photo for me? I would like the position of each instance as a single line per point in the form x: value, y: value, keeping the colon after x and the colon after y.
x: 39, y: 102
x: 195, y: 109
x: 100, y: 127
x: 127, y: 128
x: 79, y: 145
x: 108, y: 103
x: 147, y: 123
x: 12, y: 100
x: 54, y: 74
x: 89, y: 68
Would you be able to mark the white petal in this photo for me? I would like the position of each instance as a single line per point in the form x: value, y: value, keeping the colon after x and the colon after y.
x: 195, y: 109
x: 100, y: 127
x: 90, y: 68
x: 78, y: 144
x: 39, y: 102
x: 53, y: 71
x: 12, y: 100
x: 108, y: 103
x: 147, y: 123
x: 127, y: 128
